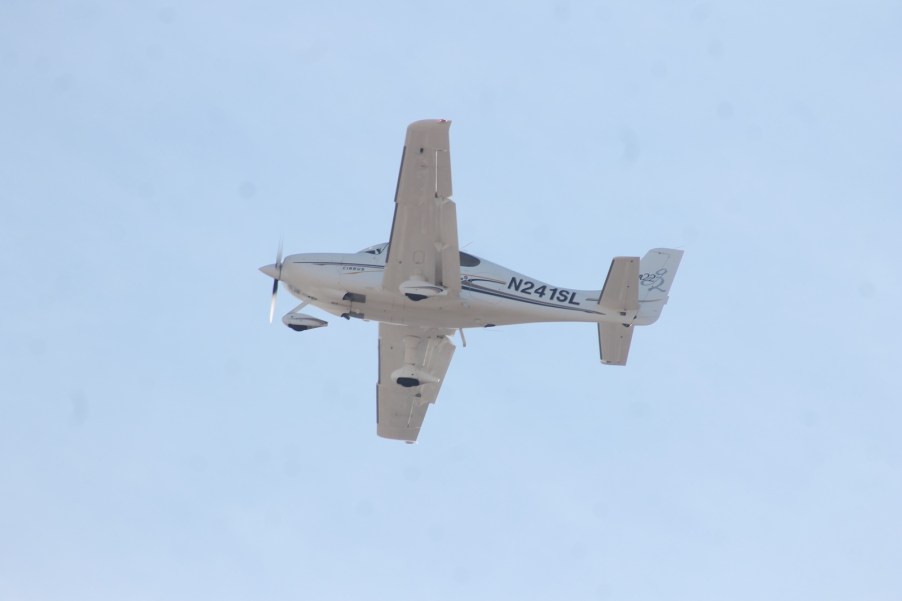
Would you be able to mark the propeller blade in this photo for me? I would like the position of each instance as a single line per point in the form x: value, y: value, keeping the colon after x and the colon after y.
x: 274, y: 271
x: 275, y: 280
x: 272, y: 306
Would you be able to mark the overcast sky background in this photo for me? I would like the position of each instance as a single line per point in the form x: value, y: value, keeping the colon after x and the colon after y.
x: 160, y: 441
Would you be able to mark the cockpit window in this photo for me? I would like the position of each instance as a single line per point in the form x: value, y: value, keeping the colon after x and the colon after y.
x: 466, y: 259
x: 377, y: 249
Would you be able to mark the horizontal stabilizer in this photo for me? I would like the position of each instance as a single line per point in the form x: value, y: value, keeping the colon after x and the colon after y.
x: 620, y: 294
x: 614, y: 342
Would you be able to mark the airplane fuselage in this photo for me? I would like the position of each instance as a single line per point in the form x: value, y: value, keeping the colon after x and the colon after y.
x: 421, y: 287
x: 350, y: 285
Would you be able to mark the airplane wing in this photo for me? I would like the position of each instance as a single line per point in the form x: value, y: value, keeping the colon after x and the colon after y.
x: 409, y: 353
x: 423, y: 246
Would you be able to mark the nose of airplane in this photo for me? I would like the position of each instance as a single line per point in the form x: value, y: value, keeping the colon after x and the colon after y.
x: 271, y: 270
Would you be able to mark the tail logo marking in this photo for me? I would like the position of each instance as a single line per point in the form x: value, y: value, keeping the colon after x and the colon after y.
x: 654, y: 281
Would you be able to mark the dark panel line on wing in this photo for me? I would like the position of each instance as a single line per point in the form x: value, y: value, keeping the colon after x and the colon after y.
x: 397, y: 188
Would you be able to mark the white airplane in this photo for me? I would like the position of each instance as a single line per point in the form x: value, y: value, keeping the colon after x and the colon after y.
x: 421, y: 288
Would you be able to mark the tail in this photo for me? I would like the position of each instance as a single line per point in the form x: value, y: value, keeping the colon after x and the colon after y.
x: 657, y: 270
x: 636, y: 291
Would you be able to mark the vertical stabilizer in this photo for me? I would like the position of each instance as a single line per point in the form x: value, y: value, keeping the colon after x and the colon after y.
x: 656, y: 273
x: 634, y: 293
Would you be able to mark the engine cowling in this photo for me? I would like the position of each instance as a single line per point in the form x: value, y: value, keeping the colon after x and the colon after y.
x: 300, y: 322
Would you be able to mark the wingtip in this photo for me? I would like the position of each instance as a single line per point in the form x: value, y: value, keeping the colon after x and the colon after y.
x: 430, y: 123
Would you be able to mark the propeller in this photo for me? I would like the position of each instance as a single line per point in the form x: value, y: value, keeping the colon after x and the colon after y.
x: 275, y: 272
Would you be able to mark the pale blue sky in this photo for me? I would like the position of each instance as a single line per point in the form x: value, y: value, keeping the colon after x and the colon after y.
x: 159, y: 441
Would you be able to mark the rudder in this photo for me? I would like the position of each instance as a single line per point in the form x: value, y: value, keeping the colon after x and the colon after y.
x: 657, y: 269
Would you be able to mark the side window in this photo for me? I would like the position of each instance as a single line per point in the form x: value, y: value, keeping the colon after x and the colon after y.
x: 379, y: 249
x: 467, y: 260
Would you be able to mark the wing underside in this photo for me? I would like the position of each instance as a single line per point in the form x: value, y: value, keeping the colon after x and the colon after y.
x: 423, y: 244
x: 409, y: 354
